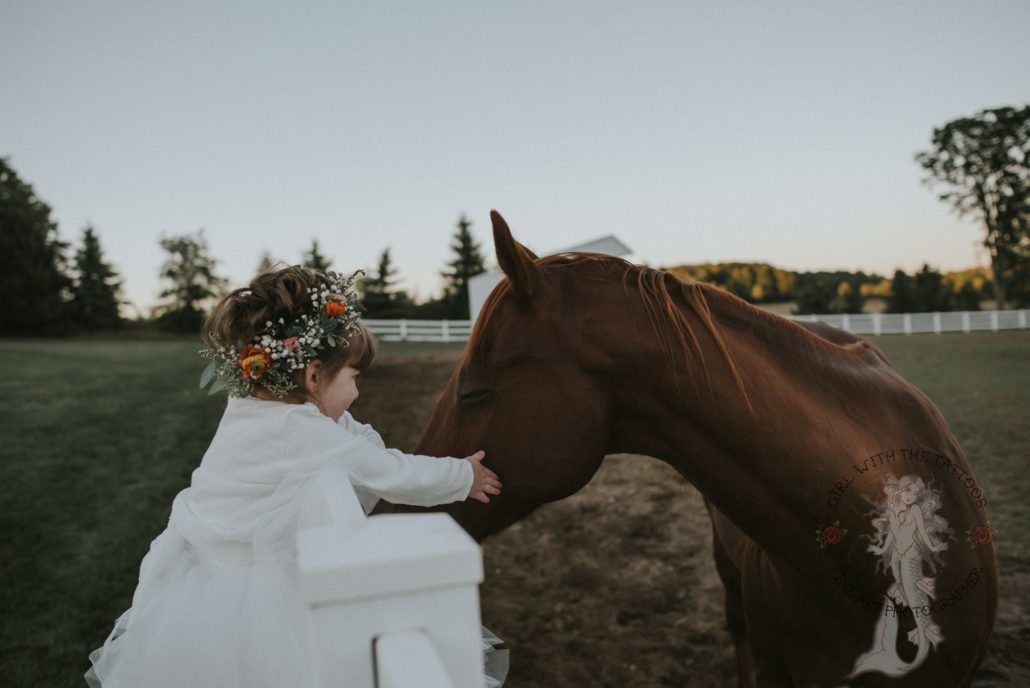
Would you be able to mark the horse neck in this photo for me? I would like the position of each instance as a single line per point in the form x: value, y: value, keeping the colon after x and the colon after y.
x: 763, y: 435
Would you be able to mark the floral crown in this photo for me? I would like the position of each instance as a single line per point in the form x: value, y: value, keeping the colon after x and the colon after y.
x: 283, y: 347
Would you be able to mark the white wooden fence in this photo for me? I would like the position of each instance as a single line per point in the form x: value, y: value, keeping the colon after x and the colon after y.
x: 393, y: 602
x: 859, y: 323
x: 913, y: 323
x: 421, y: 330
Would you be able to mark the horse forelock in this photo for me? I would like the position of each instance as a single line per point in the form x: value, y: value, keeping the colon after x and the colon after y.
x: 670, y: 324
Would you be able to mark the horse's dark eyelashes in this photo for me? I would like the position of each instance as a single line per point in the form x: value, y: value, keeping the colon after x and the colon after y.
x: 473, y: 396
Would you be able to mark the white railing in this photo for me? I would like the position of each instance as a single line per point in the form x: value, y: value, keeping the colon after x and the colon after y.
x: 859, y: 323
x: 914, y: 323
x: 393, y: 602
x: 404, y: 330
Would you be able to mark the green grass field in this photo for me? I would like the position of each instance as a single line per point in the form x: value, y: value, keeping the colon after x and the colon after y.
x: 99, y: 436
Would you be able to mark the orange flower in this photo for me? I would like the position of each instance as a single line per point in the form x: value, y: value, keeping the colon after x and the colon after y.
x: 335, y: 308
x: 254, y: 362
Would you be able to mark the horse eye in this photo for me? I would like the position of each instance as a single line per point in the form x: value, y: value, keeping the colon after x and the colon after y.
x: 473, y: 396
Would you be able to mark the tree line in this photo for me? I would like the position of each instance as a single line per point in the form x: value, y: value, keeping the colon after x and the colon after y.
x: 189, y: 273
x: 925, y: 290
x: 52, y: 288
x: 982, y: 162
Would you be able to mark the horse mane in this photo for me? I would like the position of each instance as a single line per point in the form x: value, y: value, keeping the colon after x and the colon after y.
x: 672, y: 327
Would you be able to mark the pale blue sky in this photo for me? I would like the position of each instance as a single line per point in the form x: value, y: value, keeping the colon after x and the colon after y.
x: 769, y: 131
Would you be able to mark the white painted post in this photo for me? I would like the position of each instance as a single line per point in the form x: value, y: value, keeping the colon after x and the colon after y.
x: 994, y: 321
x: 404, y: 330
x: 936, y: 322
x: 877, y: 324
x: 446, y: 332
x: 965, y: 321
x: 366, y: 588
x: 1022, y: 319
x: 407, y: 659
x: 908, y: 323
x: 845, y: 322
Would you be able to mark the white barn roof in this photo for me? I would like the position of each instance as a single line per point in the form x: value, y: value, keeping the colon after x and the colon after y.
x: 482, y: 284
x: 608, y: 245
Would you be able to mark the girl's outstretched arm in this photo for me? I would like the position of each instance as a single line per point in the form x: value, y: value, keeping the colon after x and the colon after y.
x: 360, y: 429
x: 388, y: 473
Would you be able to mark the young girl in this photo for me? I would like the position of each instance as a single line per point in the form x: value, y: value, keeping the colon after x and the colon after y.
x: 217, y: 601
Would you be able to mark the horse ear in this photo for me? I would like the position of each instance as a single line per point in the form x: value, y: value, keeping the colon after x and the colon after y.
x: 515, y: 259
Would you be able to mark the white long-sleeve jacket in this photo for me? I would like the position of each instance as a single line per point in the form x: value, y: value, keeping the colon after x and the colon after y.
x: 274, y: 467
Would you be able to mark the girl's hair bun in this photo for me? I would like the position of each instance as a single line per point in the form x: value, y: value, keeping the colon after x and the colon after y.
x: 283, y: 293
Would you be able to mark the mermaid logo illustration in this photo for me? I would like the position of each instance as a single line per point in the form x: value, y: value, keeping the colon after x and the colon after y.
x: 909, y: 534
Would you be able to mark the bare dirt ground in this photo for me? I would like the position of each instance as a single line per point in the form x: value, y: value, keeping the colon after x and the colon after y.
x: 615, y: 586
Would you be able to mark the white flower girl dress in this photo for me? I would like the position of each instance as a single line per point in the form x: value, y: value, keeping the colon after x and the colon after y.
x: 217, y: 602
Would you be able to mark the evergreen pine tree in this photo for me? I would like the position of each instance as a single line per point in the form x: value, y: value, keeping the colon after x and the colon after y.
x: 313, y: 258
x: 267, y: 263
x: 468, y: 261
x: 379, y: 292
x: 32, y: 277
x: 190, y: 271
x: 94, y: 304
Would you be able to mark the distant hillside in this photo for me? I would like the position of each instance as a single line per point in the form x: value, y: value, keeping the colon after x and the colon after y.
x: 832, y: 291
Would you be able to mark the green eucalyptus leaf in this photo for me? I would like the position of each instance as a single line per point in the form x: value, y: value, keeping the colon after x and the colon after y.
x: 219, y: 385
x: 209, y: 372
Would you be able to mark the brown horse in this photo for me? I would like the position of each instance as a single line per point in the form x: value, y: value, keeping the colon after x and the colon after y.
x: 786, y: 429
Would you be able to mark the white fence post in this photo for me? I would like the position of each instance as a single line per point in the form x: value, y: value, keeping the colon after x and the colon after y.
x: 877, y: 324
x: 1022, y: 319
x: 908, y: 323
x: 965, y: 321
x: 407, y: 659
x: 994, y: 321
x: 394, y: 582
x: 936, y: 322
x: 404, y: 330
x: 446, y: 332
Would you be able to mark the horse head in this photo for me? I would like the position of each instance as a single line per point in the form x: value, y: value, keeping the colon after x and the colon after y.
x: 530, y: 390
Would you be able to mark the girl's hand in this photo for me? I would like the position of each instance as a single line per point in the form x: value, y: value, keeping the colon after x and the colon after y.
x: 484, y: 481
